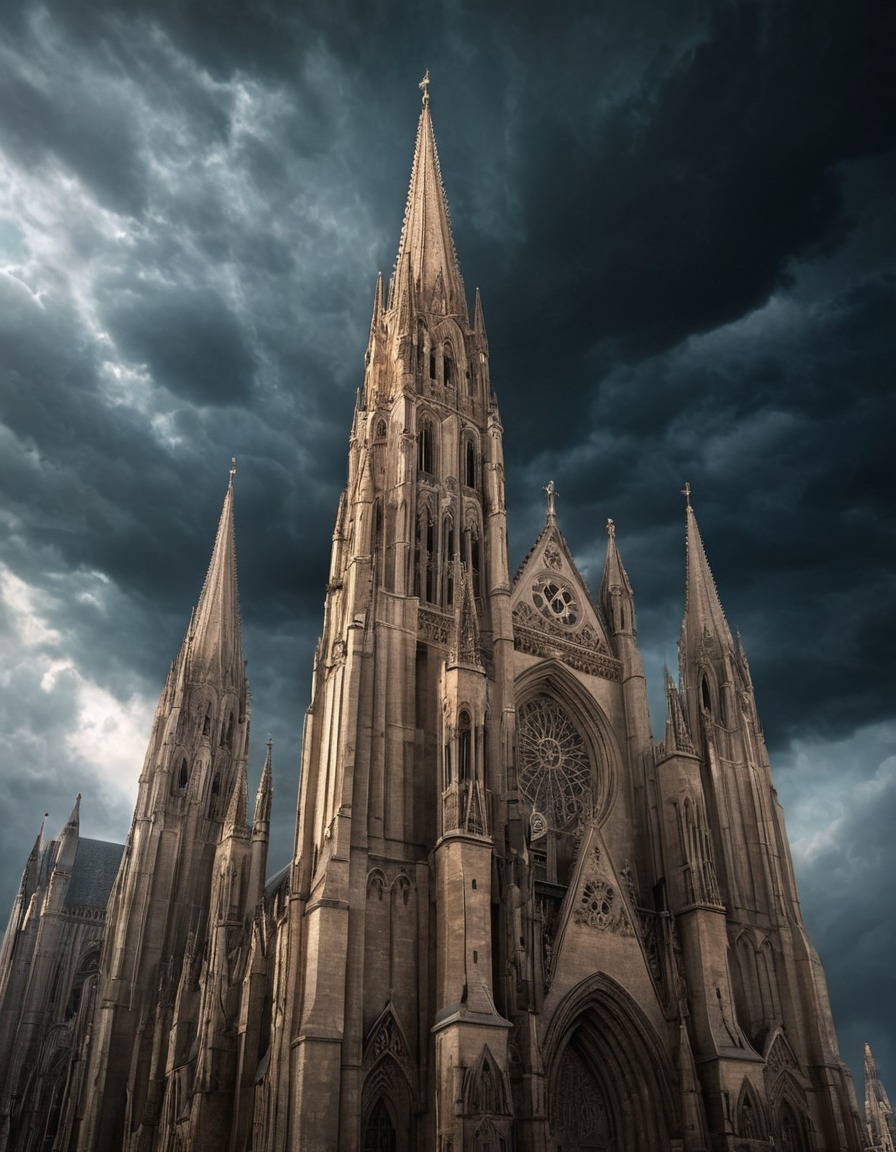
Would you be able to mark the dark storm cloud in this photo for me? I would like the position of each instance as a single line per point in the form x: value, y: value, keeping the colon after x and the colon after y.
x: 680, y: 219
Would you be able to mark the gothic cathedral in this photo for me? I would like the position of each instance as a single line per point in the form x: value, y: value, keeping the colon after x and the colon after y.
x: 513, y: 922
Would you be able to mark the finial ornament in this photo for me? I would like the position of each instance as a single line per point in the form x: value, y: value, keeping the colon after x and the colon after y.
x: 424, y: 87
x: 686, y: 492
x: 611, y: 529
x: 232, y: 468
x: 552, y: 495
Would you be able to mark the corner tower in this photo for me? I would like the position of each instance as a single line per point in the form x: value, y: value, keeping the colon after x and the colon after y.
x: 390, y: 997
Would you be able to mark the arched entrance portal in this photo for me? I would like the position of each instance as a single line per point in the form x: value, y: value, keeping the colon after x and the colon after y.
x: 610, y: 1082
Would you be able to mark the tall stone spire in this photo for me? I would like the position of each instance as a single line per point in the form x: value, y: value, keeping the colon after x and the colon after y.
x: 703, y: 613
x: 427, y: 265
x: 215, y: 633
x: 880, y: 1122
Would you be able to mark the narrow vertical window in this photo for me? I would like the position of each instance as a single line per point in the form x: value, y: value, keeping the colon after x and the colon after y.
x: 448, y: 560
x: 424, y: 446
x: 464, y: 747
x: 447, y: 366
x: 470, y: 464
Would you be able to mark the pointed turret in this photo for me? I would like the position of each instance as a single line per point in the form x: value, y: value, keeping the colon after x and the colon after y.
x: 479, y: 325
x: 616, y: 597
x: 261, y: 831
x: 427, y: 261
x: 215, y: 635
x: 678, y: 739
x: 703, y: 613
x: 264, y: 795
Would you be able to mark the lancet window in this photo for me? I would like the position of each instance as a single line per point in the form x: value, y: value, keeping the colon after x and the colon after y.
x: 447, y: 366
x: 425, y: 452
x: 469, y: 463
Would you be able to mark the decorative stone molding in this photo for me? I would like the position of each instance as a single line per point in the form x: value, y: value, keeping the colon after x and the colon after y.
x: 599, y: 903
x: 582, y: 649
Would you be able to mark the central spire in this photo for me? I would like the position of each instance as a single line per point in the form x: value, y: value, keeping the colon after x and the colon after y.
x: 427, y: 260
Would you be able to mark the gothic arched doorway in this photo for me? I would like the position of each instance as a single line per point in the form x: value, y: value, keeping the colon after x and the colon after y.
x: 610, y: 1081
x: 379, y: 1131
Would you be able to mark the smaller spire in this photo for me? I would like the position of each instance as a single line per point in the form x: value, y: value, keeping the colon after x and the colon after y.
x: 264, y: 795
x: 615, y: 587
x: 235, y: 820
x: 678, y: 739
x: 479, y: 323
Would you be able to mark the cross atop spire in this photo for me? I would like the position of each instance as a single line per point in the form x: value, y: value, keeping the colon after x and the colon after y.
x: 686, y: 492
x: 424, y: 87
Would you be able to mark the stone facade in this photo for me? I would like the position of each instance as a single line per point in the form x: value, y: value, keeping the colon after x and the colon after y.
x: 512, y: 921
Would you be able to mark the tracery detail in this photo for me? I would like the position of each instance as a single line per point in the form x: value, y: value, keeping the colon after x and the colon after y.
x: 555, y: 772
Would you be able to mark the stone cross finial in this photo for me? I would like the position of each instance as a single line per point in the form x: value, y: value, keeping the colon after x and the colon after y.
x: 424, y: 87
x: 232, y: 468
x: 686, y: 492
x: 611, y: 529
x: 552, y: 495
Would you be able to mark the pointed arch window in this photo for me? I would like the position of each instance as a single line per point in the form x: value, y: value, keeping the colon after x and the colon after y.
x: 227, y: 733
x: 432, y: 365
x: 425, y: 454
x: 464, y: 746
x: 377, y: 522
x: 183, y: 776
x: 470, y: 464
x: 447, y: 365
x: 705, y: 696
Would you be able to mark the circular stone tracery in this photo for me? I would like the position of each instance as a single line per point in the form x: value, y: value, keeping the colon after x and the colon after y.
x: 554, y: 768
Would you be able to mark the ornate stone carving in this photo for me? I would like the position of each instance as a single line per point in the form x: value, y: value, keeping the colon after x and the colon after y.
x: 576, y: 1107
x: 581, y: 649
x: 435, y: 626
x: 552, y: 556
x: 599, y: 904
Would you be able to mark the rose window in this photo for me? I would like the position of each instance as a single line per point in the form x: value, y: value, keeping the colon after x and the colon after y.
x: 556, y: 601
x: 554, y: 768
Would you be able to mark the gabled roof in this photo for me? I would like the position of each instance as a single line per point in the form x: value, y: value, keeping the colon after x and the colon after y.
x: 553, y: 613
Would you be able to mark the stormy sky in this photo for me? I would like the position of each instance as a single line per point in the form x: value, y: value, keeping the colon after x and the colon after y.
x: 681, y: 220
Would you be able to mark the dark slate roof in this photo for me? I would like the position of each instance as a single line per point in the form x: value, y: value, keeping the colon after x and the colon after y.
x: 93, y: 874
